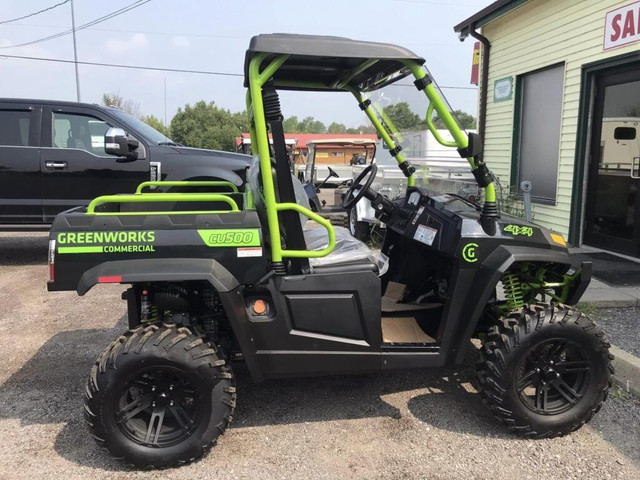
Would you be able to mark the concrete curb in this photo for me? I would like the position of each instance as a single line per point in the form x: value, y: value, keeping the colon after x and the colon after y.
x: 627, y: 370
x: 611, y: 303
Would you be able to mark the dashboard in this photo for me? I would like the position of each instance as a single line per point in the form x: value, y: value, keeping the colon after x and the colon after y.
x: 430, y: 221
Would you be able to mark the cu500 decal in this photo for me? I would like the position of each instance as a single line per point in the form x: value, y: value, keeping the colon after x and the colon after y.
x: 236, y: 237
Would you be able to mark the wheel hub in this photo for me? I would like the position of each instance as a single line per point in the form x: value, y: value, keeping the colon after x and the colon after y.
x: 158, y: 408
x: 553, y: 377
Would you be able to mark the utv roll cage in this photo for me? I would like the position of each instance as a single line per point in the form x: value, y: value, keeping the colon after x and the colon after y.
x: 334, y: 64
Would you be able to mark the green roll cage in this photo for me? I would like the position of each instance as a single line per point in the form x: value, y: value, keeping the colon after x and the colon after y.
x: 259, y: 75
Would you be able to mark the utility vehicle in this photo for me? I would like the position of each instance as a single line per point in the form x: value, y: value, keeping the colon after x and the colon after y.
x: 207, y: 287
x: 326, y: 184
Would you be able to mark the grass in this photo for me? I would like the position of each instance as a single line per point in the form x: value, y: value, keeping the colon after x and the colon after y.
x: 587, y: 309
x: 617, y: 393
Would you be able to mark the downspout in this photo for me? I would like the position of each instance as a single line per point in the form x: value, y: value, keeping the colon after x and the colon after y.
x: 482, y: 108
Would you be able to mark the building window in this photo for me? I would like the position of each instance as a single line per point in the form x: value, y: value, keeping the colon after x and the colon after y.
x: 537, y: 141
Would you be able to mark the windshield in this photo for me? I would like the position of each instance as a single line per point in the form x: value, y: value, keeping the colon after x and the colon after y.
x: 403, y: 111
x: 150, y: 133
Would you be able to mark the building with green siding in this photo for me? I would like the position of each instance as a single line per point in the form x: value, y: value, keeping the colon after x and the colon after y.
x: 560, y: 106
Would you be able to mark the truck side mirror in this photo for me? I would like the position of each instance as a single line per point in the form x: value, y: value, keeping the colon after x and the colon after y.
x: 118, y: 143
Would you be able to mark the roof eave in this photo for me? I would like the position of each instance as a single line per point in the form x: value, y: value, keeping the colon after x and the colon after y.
x: 486, y: 15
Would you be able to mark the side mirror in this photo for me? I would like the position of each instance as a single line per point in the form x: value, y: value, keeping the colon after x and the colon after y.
x: 475, y: 145
x: 118, y: 143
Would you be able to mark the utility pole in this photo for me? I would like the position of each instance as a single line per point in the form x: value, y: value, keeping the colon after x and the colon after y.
x: 165, y: 102
x: 75, y: 50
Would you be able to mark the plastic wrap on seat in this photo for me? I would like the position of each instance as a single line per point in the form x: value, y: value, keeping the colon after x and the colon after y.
x: 348, y: 249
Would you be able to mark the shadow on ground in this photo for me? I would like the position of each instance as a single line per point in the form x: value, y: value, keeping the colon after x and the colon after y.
x: 49, y: 389
x: 24, y: 250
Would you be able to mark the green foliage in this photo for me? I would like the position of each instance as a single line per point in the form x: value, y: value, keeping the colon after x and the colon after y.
x: 336, y: 127
x: 156, y: 123
x: 204, y: 125
x: 290, y: 125
x: 511, y: 202
x: 465, y: 120
x: 403, y: 118
x: 306, y: 125
x: 311, y: 125
x: 361, y: 130
x: 587, y: 309
x: 114, y: 99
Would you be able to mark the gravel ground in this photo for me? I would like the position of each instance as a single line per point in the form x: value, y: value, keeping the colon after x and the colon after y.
x: 405, y: 425
x: 622, y: 325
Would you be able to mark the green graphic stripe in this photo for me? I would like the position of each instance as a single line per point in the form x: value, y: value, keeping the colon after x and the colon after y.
x: 97, y: 249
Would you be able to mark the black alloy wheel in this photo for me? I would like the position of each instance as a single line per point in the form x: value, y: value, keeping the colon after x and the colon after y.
x: 544, y: 370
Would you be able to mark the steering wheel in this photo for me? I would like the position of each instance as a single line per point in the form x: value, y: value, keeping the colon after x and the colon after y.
x: 332, y: 172
x: 347, y: 201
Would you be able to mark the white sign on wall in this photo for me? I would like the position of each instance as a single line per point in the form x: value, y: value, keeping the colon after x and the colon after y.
x: 622, y: 26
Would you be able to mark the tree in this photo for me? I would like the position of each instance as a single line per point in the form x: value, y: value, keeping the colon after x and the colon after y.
x: 114, y: 99
x: 403, y: 118
x: 204, y: 125
x: 290, y: 125
x: 307, y: 125
x: 156, y: 123
x: 465, y: 120
x: 362, y: 129
x: 311, y: 125
x: 336, y: 127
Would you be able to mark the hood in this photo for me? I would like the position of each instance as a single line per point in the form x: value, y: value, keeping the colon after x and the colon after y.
x: 240, y: 157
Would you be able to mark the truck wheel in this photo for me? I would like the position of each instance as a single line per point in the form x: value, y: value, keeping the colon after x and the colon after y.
x: 359, y: 230
x: 545, y: 370
x: 159, y: 396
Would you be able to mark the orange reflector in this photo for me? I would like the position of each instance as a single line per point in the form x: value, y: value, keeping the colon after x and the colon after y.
x: 559, y: 239
x: 259, y: 307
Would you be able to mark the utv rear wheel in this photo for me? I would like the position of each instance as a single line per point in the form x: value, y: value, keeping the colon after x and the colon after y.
x: 159, y: 396
x: 545, y: 370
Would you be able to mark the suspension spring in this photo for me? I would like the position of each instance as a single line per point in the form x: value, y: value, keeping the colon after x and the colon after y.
x: 512, y: 291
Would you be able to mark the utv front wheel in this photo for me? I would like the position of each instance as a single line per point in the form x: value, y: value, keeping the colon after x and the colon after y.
x: 159, y: 396
x: 544, y: 371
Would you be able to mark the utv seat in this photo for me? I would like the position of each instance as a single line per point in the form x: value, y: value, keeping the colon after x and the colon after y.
x: 349, y: 253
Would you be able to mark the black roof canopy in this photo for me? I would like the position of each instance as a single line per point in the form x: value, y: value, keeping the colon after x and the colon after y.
x: 330, y: 60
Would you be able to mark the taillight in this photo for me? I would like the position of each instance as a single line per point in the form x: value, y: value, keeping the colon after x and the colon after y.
x: 52, y: 259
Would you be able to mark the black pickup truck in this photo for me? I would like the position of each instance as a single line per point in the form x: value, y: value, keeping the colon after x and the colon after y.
x: 58, y: 155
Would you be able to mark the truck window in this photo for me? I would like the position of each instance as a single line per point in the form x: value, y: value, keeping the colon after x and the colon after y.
x: 72, y: 130
x: 14, y: 127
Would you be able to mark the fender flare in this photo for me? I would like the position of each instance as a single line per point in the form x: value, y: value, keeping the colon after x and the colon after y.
x: 493, y: 267
x: 159, y: 270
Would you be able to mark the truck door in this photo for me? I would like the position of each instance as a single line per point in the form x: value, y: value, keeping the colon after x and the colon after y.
x: 20, y: 188
x: 75, y: 168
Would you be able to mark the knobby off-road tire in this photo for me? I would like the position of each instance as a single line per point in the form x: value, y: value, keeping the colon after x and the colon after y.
x: 159, y: 396
x: 545, y: 370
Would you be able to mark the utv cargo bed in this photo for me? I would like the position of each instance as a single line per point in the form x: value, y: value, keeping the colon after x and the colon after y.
x: 80, y: 242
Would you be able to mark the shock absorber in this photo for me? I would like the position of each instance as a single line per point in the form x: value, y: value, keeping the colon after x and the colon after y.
x: 148, y: 310
x: 512, y: 291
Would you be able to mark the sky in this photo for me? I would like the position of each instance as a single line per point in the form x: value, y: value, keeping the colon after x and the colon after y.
x: 213, y: 35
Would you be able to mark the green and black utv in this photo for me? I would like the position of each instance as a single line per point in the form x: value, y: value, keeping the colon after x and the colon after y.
x: 246, y: 277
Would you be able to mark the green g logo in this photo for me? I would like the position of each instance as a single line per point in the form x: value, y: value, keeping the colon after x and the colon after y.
x: 469, y: 252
